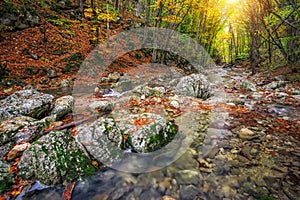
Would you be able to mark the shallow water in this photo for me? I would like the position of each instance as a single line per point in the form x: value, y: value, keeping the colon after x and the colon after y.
x: 220, y: 165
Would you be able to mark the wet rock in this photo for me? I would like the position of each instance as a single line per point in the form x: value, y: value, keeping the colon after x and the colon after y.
x: 124, y: 84
x: 185, y: 177
x: 168, y: 198
x: 247, y: 134
x: 195, y: 85
x: 289, y: 192
x: 150, y: 194
x: 148, y: 131
x: 204, y: 165
x: 187, y: 161
x: 213, y: 152
x: 62, y: 106
x: 25, y: 102
x: 259, y: 192
x: 102, y: 139
x: 189, y: 192
x: 55, y: 158
x: 17, y: 151
x: 6, y: 178
x: 101, y: 106
x: 164, y: 185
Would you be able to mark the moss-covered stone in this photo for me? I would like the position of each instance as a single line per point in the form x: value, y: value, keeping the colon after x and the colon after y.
x: 55, y: 158
x: 6, y: 178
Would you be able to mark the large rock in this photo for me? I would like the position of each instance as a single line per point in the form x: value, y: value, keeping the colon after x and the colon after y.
x: 107, y: 138
x: 101, y: 106
x: 102, y: 139
x: 63, y: 106
x: 55, y: 158
x: 194, y: 85
x: 6, y: 178
x: 148, y: 131
x: 25, y: 102
x: 19, y: 21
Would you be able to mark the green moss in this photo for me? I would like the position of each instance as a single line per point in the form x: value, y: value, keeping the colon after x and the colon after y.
x: 267, y: 198
x: 5, y: 184
x: 158, y: 141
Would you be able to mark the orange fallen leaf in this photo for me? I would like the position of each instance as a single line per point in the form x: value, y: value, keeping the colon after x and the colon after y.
x: 67, y: 194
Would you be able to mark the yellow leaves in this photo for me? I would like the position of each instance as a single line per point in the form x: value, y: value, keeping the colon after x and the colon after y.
x: 89, y: 13
x: 172, y: 19
x: 107, y: 16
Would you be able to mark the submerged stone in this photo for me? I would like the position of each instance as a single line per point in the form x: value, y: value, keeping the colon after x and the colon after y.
x: 54, y: 159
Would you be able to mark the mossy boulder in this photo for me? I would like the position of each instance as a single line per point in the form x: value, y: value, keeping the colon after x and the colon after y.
x: 107, y: 138
x: 102, y: 139
x: 148, y: 131
x: 54, y: 159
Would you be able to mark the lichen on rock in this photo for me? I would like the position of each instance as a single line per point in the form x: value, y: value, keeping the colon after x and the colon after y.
x: 54, y: 159
x: 27, y: 102
x: 194, y: 85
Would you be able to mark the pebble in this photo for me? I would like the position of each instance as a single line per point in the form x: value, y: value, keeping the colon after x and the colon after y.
x: 247, y: 134
x: 187, y: 177
x: 189, y: 192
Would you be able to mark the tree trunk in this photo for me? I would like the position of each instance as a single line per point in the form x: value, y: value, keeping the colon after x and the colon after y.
x: 147, y: 18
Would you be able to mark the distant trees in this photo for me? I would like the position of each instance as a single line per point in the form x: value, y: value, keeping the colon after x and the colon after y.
x: 273, y: 28
x: 265, y: 31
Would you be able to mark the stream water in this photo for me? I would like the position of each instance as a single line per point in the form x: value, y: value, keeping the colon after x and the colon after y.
x: 222, y: 166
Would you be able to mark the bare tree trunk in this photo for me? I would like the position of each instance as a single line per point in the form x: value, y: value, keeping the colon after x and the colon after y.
x: 147, y: 19
x: 159, y: 15
x: 254, y: 52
